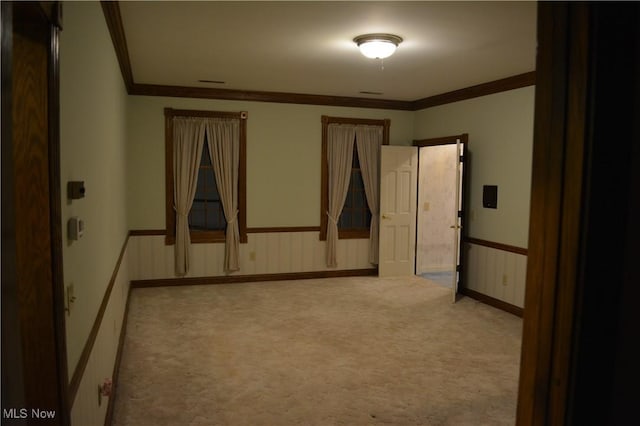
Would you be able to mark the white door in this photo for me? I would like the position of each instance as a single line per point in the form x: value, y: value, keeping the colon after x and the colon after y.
x: 439, y: 214
x: 398, y: 197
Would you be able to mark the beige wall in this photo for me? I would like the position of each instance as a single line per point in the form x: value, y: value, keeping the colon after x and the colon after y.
x: 92, y: 149
x: 283, y: 157
x: 500, y: 128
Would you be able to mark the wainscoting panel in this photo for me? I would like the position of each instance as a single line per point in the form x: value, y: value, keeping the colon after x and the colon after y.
x: 86, y: 408
x: 264, y: 253
x: 496, y: 273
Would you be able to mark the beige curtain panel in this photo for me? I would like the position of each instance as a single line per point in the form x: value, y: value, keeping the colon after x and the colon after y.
x: 368, y: 143
x: 223, y: 136
x: 188, y: 139
x: 340, y: 139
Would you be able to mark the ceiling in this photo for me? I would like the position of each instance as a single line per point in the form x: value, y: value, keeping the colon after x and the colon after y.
x: 307, y: 47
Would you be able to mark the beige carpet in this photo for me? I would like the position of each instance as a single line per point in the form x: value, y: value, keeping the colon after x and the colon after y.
x: 348, y: 351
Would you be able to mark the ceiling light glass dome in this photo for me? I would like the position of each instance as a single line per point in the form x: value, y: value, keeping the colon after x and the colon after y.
x: 377, y: 46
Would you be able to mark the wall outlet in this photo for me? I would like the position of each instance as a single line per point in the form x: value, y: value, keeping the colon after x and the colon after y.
x: 104, y: 389
x: 504, y: 279
x: 426, y: 206
x: 252, y: 256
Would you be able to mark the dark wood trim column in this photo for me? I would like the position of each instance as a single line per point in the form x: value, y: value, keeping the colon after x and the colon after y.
x: 576, y: 364
x: 34, y: 363
x: 555, y: 215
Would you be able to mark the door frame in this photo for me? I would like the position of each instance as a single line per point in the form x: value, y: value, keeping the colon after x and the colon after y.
x: 579, y: 345
x: 42, y: 23
x: 452, y: 140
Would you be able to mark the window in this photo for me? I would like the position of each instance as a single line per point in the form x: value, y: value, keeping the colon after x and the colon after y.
x: 355, y: 216
x: 207, y: 223
x: 206, y: 212
x: 355, y: 219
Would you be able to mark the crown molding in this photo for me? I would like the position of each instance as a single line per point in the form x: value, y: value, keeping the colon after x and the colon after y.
x: 257, y: 96
x: 496, y: 86
x: 111, y: 10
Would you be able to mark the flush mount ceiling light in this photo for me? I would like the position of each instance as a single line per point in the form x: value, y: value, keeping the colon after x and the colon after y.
x: 377, y: 46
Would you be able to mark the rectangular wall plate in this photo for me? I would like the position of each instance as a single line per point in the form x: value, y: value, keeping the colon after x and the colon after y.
x: 490, y: 196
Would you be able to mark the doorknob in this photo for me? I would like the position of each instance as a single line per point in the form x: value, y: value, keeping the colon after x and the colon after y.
x: 454, y: 227
x: 384, y: 216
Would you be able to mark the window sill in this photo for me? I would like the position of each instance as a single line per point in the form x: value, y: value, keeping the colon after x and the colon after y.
x: 352, y: 234
x: 205, y: 237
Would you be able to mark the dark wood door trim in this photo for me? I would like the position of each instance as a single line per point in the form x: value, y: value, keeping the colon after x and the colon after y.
x: 582, y: 145
x: 444, y: 140
x: 546, y: 214
x: 12, y: 367
x: 34, y: 365
x: 607, y: 253
x: 55, y: 198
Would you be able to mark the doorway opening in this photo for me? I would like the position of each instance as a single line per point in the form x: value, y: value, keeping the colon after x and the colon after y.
x: 422, y: 205
x: 440, y: 209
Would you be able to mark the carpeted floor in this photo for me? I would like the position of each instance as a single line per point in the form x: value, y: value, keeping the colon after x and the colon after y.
x: 348, y: 351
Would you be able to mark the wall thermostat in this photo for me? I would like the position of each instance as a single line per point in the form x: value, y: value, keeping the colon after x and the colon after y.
x: 75, y: 228
x: 75, y: 189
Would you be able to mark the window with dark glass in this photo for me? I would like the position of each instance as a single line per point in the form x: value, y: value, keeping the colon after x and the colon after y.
x: 206, y: 213
x: 355, y: 219
x: 207, y: 223
x: 356, y: 215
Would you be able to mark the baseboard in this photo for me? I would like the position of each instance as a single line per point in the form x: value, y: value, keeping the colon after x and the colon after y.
x: 492, y: 301
x: 230, y: 279
x: 108, y: 420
